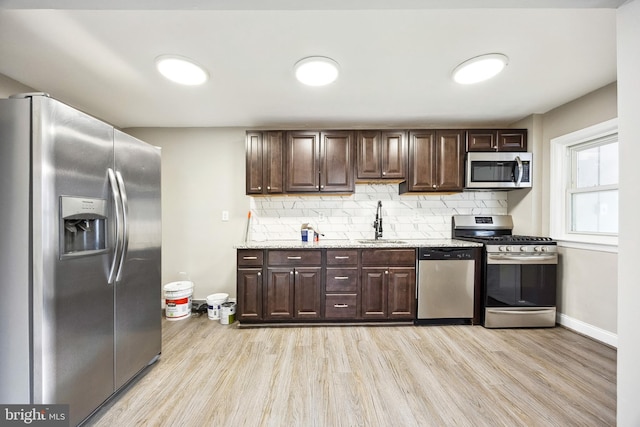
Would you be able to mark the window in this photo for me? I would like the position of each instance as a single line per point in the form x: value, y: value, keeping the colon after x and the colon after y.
x: 584, y: 185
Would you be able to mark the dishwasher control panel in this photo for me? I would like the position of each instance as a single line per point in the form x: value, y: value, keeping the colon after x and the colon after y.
x: 444, y: 253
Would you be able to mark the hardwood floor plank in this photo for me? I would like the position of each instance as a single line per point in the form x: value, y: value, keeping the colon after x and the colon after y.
x: 212, y: 374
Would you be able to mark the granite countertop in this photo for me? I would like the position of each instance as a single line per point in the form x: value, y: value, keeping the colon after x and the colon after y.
x: 357, y: 244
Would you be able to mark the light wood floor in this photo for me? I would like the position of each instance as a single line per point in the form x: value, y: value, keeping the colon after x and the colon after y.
x: 218, y: 375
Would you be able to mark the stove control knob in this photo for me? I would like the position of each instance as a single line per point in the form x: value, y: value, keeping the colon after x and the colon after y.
x: 502, y: 249
x: 523, y: 249
x: 508, y: 248
x: 544, y: 249
x: 537, y: 249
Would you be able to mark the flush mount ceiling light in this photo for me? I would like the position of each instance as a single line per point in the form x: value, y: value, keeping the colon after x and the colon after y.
x: 316, y: 71
x: 480, y: 68
x: 181, y: 70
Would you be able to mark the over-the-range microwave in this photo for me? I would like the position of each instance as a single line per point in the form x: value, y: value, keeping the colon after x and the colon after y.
x: 498, y: 170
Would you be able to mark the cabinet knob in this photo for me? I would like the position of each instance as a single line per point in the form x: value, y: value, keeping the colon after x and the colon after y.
x: 384, y: 173
x: 259, y: 188
x: 322, y: 186
x: 259, y: 274
x: 291, y: 273
x: 296, y: 273
x: 268, y: 187
x: 386, y: 272
x: 434, y: 186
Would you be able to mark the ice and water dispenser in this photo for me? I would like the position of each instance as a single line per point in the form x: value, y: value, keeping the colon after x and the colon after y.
x: 83, y: 226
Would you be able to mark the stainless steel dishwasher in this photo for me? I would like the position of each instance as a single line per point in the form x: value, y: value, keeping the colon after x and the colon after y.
x: 445, y: 285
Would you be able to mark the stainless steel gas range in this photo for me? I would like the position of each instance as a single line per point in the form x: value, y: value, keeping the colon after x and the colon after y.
x: 519, y: 272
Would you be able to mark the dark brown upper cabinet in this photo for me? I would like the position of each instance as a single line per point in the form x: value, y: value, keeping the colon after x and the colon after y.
x: 320, y: 161
x: 436, y: 161
x: 264, y: 156
x: 497, y: 140
x: 381, y: 155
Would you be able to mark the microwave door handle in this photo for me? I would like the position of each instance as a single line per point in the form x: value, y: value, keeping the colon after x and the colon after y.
x: 520, y: 171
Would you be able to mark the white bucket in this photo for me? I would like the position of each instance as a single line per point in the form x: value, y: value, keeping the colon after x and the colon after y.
x: 177, y: 298
x: 228, y: 313
x: 214, y: 301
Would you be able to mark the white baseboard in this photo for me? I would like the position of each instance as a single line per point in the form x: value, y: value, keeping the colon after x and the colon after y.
x: 591, y: 331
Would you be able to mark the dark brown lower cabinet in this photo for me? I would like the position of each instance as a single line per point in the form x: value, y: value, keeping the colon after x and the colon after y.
x: 388, y: 292
x: 307, y: 292
x: 279, y: 294
x: 249, y: 290
x: 401, y: 299
x: 249, y: 281
x: 276, y: 285
x: 388, y: 278
x: 293, y: 293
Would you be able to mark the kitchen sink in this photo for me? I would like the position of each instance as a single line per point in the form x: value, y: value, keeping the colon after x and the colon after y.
x: 381, y: 241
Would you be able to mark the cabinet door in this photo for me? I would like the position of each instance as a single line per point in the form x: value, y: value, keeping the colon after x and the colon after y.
x: 254, y: 156
x: 302, y: 153
x: 394, y: 154
x: 449, y: 160
x: 279, y: 302
x: 421, y: 161
x: 482, y: 140
x: 249, y: 282
x: 368, y: 155
x: 497, y: 140
x: 512, y: 140
x: 402, y: 290
x: 307, y: 292
x: 337, y: 162
x: 272, y: 166
x: 374, y: 292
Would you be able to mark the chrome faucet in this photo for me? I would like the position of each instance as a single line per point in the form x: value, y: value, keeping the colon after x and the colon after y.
x: 377, y: 224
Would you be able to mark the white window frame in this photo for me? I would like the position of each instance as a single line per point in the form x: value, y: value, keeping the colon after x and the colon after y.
x: 560, y: 156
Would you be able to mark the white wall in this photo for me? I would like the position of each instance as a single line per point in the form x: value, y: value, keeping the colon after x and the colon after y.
x: 587, y: 280
x: 629, y: 283
x: 10, y: 87
x: 202, y: 175
x: 525, y: 205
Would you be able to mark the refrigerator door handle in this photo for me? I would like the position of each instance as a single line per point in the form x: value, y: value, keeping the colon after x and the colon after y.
x: 117, y: 204
x: 125, y: 224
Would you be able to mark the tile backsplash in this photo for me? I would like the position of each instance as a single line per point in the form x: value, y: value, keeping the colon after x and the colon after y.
x: 351, y: 217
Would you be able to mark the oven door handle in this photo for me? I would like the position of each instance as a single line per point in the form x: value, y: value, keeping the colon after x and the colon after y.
x: 522, y: 257
x: 530, y: 311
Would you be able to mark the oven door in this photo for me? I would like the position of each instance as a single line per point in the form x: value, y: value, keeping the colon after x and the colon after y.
x: 520, y: 290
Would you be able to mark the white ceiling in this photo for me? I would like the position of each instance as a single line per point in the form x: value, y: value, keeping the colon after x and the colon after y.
x: 395, y: 61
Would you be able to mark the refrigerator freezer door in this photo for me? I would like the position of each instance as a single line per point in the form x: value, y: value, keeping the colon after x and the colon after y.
x: 72, y: 302
x: 15, y: 137
x: 138, y: 286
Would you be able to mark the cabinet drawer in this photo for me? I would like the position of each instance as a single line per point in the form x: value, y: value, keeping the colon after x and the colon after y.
x: 295, y: 257
x: 342, y: 257
x: 340, y: 306
x: 386, y: 257
x: 250, y: 258
x: 342, y: 280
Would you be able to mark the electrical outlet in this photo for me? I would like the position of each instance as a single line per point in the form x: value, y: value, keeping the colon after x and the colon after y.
x: 225, y: 215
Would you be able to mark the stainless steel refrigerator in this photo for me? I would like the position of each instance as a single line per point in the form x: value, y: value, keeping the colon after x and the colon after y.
x: 80, y: 301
